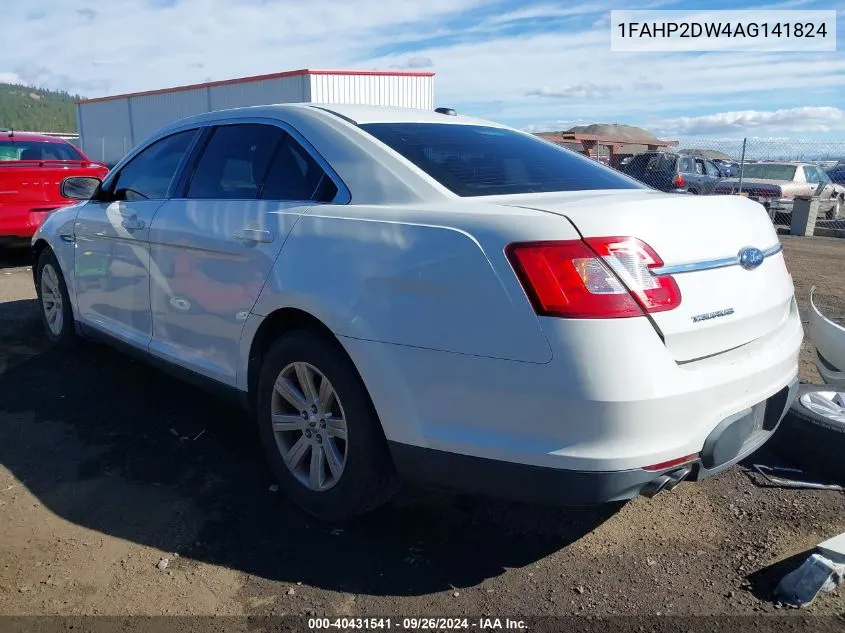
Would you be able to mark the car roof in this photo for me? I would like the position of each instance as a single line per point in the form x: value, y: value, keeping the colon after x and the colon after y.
x: 355, y: 114
x: 10, y: 135
x: 363, y: 114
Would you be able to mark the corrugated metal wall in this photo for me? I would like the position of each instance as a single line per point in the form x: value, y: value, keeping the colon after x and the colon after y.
x: 383, y: 90
x: 152, y: 112
x: 110, y: 128
x: 293, y: 89
x: 104, y: 129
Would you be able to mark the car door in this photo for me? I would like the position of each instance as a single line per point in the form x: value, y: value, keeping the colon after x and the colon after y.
x: 697, y: 180
x: 112, y: 256
x: 713, y: 175
x: 216, y: 243
x: 813, y: 179
x: 828, y: 190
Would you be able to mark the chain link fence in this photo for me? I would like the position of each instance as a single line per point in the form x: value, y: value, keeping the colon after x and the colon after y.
x: 774, y: 172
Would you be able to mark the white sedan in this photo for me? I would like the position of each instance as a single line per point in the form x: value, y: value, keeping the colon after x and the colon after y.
x: 399, y: 294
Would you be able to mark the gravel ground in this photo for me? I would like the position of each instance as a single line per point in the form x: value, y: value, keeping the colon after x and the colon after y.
x: 125, y: 492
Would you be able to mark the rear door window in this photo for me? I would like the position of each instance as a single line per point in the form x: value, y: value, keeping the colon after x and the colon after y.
x: 295, y: 175
x: 235, y: 162
x: 712, y: 169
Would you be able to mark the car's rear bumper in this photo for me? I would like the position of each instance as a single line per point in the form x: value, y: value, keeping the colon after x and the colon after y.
x: 615, y: 402
x: 734, y: 439
x: 19, y: 222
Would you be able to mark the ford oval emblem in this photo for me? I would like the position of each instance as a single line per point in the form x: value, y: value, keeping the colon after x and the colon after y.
x: 750, y: 258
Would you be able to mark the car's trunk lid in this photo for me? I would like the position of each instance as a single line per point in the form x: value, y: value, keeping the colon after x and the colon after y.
x: 723, y: 305
x: 39, y: 181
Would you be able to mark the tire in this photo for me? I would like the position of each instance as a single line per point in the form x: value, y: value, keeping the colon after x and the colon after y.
x: 367, y: 478
x: 810, y: 440
x: 52, y: 289
x: 835, y: 212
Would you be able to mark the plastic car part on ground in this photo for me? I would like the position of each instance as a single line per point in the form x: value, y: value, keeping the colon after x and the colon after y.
x: 812, y: 435
x: 800, y: 587
x: 789, y: 478
x: 828, y: 341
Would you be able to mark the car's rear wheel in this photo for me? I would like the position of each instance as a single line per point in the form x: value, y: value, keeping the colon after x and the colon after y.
x: 319, y: 429
x: 54, y: 301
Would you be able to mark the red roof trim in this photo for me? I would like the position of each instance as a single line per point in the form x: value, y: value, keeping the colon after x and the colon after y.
x: 243, y: 80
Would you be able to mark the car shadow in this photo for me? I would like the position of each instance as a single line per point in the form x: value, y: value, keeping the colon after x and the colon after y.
x: 763, y: 582
x: 108, y: 443
x: 14, y: 256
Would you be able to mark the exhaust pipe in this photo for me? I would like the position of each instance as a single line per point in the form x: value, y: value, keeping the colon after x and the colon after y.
x: 666, y: 481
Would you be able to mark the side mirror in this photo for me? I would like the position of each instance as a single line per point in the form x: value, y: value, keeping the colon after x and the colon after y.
x: 80, y: 187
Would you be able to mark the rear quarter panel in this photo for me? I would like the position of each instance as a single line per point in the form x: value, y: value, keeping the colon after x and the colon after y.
x: 415, y: 278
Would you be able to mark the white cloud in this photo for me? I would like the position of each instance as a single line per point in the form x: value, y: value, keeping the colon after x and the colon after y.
x: 748, y: 122
x: 645, y: 85
x: 584, y: 90
x: 484, y: 67
x: 416, y: 62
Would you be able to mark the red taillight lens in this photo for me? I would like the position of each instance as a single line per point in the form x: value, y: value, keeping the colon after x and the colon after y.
x: 679, y: 181
x: 672, y: 462
x: 598, y: 278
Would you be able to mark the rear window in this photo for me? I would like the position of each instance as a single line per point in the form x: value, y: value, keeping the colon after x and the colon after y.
x: 765, y: 171
x: 474, y: 160
x: 37, y: 150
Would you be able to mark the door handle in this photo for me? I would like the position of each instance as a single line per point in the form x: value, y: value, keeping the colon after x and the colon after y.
x: 254, y: 235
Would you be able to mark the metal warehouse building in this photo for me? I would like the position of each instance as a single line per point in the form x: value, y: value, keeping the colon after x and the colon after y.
x: 111, y: 126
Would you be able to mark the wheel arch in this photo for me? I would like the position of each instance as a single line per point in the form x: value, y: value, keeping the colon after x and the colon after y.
x: 277, y: 324
x: 35, y: 253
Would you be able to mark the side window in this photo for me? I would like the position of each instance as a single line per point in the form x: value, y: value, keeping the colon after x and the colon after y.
x: 295, y: 175
x: 811, y: 174
x: 235, y: 161
x: 699, y: 166
x: 661, y: 162
x: 149, y: 174
x: 685, y: 165
x: 712, y: 169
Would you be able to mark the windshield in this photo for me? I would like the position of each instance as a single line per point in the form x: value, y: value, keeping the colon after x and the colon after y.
x: 37, y: 150
x: 765, y: 171
x: 474, y: 160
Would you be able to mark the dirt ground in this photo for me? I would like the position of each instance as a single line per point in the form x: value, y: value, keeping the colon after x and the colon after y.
x: 108, y: 467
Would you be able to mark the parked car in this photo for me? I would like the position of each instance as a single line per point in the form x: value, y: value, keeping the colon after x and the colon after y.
x: 32, y: 167
x: 427, y: 297
x: 674, y: 173
x: 727, y: 168
x: 837, y: 174
x: 775, y: 185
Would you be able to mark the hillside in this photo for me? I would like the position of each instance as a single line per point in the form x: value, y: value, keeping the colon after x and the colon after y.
x: 34, y: 109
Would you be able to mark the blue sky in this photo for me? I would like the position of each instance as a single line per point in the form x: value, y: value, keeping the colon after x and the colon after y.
x: 535, y: 64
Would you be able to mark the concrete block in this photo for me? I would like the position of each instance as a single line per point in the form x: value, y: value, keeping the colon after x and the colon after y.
x: 804, y: 214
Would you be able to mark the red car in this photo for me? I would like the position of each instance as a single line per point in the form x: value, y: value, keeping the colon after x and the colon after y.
x: 32, y: 167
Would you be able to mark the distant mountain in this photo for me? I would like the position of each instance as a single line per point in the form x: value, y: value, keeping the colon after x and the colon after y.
x: 32, y: 109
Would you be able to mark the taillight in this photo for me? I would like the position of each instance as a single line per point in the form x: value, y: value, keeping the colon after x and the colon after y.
x: 597, y: 278
x: 672, y: 462
x: 679, y: 181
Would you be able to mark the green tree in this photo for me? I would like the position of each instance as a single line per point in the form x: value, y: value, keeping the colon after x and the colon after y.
x: 26, y: 108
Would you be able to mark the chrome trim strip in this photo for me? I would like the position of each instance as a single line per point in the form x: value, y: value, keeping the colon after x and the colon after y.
x: 711, y: 264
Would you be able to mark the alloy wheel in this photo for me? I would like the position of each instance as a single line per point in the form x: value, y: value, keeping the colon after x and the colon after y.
x: 309, y: 426
x: 51, y: 299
